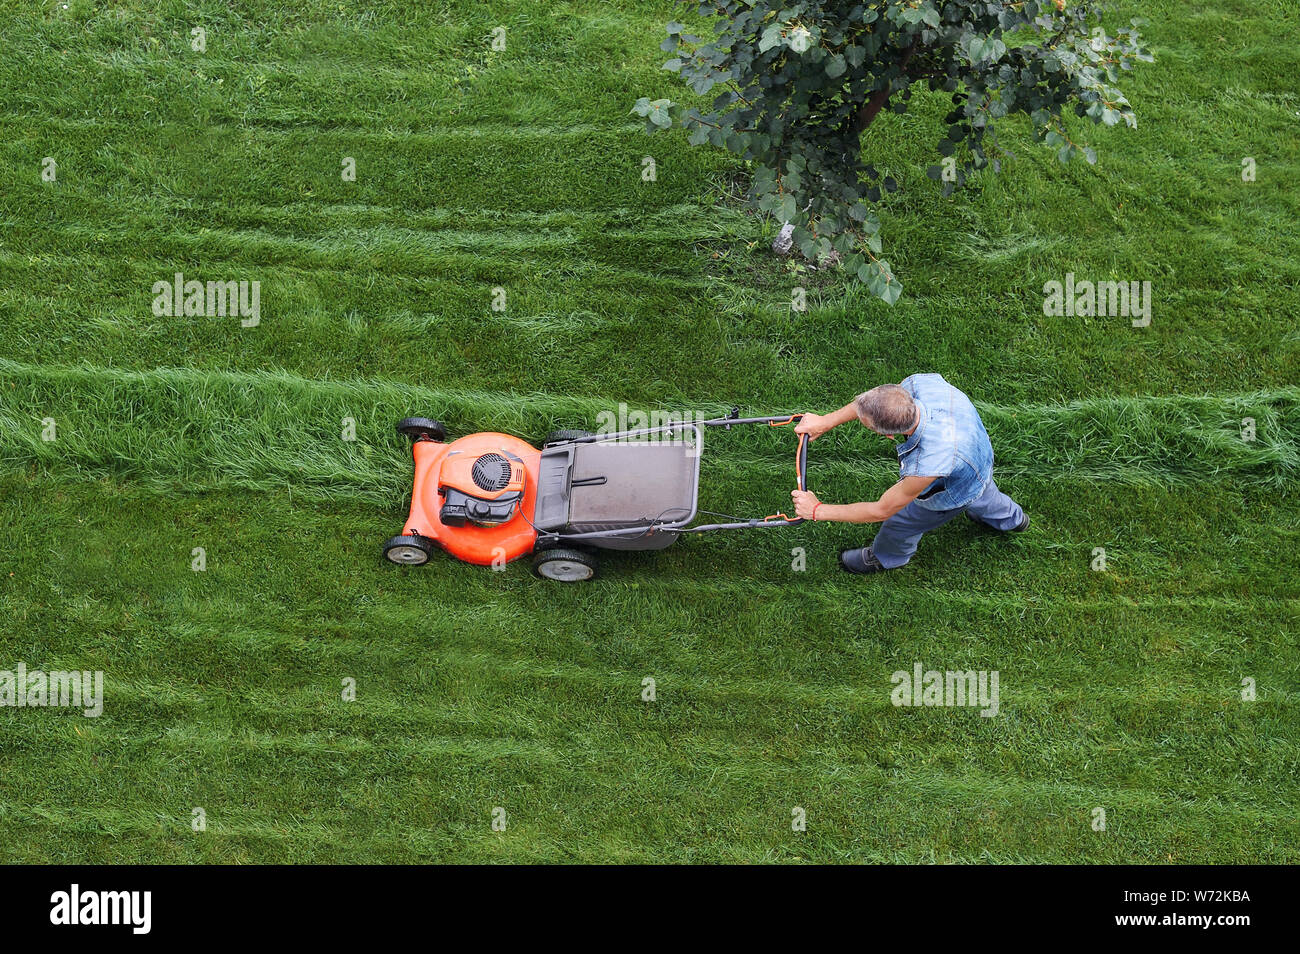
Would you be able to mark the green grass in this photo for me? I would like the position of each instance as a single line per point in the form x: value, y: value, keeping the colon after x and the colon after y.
x: 521, y: 169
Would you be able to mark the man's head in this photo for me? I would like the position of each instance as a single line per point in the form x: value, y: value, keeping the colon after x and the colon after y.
x: 887, y: 409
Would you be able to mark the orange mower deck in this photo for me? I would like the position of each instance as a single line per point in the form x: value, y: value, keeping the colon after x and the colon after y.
x: 482, y: 546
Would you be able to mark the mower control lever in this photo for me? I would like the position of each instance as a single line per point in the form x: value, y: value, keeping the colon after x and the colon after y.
x: 801, y: 462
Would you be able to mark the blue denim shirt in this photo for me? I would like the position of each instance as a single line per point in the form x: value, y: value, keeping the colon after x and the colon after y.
x: 949, y: 442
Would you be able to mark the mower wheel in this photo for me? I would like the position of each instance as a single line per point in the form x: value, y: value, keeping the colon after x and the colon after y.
x: 409, y: 551
x: 560, y: 437
x: 422, y: 429
x: 564, y: 565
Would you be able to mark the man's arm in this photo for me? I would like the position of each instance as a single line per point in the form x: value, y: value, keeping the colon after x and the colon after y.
x: 807, y: 506
x: 815, y: 425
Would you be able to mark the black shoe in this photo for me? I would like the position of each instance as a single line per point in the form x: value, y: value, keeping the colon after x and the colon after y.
x: 1021, y: 528
x: 860, y: 560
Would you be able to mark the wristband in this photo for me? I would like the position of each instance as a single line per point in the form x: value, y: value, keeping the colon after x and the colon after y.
x: 815, y: 506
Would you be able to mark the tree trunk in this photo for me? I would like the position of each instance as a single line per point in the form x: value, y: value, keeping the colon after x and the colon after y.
x: 876, y: 101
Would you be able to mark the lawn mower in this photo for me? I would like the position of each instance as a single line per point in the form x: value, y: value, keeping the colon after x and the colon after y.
x: 491, y: 498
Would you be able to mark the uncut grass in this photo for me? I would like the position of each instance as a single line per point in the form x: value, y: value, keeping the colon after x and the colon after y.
x: 186, y: 428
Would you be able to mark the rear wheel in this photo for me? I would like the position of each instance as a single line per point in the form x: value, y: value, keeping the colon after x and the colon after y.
x: 563, y: 436
x: 422, y: 429
x: 409, y: 550
x: 564, y: 565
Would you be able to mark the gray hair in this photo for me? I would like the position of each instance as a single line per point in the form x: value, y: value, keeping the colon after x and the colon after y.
x: 887, y: 408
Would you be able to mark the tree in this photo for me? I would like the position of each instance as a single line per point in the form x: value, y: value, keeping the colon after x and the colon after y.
x: 796, y: 84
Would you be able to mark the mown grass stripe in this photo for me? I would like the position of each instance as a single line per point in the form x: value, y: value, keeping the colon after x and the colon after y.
x: 407, y: 760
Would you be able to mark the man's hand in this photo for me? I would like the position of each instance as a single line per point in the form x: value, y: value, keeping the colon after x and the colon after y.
x: 805, y: 502
x: 870, y: 511
x: 814, y: 425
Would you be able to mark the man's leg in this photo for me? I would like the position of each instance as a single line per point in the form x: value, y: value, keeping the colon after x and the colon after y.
x: 897, y: 538
x: 995, y: 509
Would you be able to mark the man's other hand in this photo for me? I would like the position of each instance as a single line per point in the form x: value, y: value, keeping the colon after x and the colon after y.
x: 805, y: 502
x: 814, y: 425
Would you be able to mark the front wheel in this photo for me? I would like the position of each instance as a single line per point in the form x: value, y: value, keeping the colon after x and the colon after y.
x: 564, y: 566
x: 422, y: 429
x: 409, y: 551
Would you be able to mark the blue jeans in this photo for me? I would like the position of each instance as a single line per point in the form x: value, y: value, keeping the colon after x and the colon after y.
x: 898, y: 536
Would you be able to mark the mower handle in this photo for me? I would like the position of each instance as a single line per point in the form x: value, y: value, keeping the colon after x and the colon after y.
x: 800, y: 461
x: 800, y: 466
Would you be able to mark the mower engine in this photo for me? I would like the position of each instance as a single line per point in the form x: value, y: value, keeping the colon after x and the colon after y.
x: 482, y: 490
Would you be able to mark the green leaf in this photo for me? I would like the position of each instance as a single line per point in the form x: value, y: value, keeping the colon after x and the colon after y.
x: 659, y: 113
x: 836, y: 65
x: 891, y: 291
x: 986, y: 48
x: 983, y: 48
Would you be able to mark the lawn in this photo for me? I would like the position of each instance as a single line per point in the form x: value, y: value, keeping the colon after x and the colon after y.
x: 481, y: 695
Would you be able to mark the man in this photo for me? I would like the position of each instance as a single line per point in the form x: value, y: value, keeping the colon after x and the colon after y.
x: 946, y: 465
